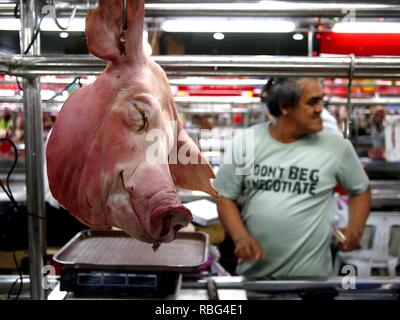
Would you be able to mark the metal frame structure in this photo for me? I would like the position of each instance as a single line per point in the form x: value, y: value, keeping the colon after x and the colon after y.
x: 249, y: 66
x: 376, y: 288
x: 235, y: 9
x: 34, y: 152
x: 207, y: 100
x: 220, y: 82
x: 32, y: 65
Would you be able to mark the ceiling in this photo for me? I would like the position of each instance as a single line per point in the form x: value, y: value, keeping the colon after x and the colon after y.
x: 191, y: 43
x: 176, y: 43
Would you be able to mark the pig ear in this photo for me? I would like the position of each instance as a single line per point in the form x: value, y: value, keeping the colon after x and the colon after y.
x: 194, y: 175
x: 104, y: 27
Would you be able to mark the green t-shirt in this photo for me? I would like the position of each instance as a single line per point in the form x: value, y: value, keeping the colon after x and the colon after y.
x: 286, y: 197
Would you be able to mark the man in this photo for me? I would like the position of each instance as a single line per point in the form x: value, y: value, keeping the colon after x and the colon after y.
x: 282, y: 228
x: 377, y: 133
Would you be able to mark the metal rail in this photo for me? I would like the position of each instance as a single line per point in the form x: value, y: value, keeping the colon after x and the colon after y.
x: 34, y: 155
x: 238, y: 282
x: 214, y: 100
x: 271, y: 9
x: 249, y: 66
x: 237, y: 82
x: 334, y: 101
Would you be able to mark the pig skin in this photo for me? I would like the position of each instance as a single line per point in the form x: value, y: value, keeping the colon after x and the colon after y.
x: 96, y: 154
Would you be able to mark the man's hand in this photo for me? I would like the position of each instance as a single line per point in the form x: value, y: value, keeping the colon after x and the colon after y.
x: 352, y: 241
x: 359, y: 206
x: 247, y: 249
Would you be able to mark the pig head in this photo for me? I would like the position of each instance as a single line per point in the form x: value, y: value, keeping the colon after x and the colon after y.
x: 110, y: 150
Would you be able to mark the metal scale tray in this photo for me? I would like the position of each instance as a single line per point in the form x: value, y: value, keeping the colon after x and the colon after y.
x: 112, y: 262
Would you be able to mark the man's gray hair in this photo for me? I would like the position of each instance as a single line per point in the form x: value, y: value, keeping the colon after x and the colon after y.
x: 281, y: 92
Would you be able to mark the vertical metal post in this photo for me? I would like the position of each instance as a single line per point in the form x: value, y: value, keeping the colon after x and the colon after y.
x: 349, y: 108
x: 310, y: 41
x: 34, y: 153
x: 247, y: 119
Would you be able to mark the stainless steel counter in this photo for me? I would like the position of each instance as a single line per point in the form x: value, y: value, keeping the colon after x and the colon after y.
x: 240, y: 288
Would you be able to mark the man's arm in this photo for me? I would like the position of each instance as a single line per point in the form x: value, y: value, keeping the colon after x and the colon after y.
x: 359, y: 206
x: 246, y: 247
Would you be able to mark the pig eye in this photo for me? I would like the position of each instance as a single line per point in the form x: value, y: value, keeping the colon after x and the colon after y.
x: 137, y: 118
x: 145, y: 121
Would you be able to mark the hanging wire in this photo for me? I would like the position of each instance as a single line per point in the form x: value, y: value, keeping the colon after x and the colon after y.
x: 46, y: 10
x: 16, y: 9
x: 36, y: 31
x: 19, y: 84
x: 17, y: 208
x: 77, y: 79
x: 51, y: 9
x: 7, y: 189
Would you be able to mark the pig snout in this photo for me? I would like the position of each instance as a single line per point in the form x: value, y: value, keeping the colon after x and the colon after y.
x: 166, y: 222
x: 155, y: 202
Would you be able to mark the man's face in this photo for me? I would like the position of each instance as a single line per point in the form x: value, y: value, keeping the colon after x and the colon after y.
x: 306, y: 116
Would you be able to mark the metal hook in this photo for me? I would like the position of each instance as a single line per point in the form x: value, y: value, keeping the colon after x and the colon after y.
x: 123, y: 35
x: 50, y: 9
x: 125, y: 15
x: 349, y: 106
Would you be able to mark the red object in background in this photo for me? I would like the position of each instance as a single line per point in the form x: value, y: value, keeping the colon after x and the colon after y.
x: 237, y: 118
x: 339, y: 189
x: 57, y: 267
x: 361, y: 44
x: 203, y: 90
x: 5, y: 148
x: 360, y: 88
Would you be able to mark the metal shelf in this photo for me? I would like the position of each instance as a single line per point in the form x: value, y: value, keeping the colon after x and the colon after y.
x: 249, y: 66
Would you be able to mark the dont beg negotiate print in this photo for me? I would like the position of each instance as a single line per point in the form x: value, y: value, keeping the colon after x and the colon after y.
x: 278, y: 179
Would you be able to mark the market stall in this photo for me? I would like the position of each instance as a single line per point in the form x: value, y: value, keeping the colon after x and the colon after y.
x: 208, y: 70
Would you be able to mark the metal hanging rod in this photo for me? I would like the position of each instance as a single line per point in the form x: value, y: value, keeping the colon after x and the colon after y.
x: 246, y: 82
x: 364, y: 101
x: 214, y: 110
x: 217, y: 82
x: 215, y: 100
x: 238, y: 82
x: 178, y: 100
x: 249, y: 66
x: 235, y: 8
x: 271, y: 9
x: 255, y: 100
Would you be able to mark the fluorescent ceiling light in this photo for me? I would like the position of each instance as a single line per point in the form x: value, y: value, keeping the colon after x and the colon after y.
x: 298, y: 36
x: 77, y: 25
x: 218, y: 36
x: 12, y: 24
x: 63, y: 35
x: 366, y: 27
x: 226, y: 25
